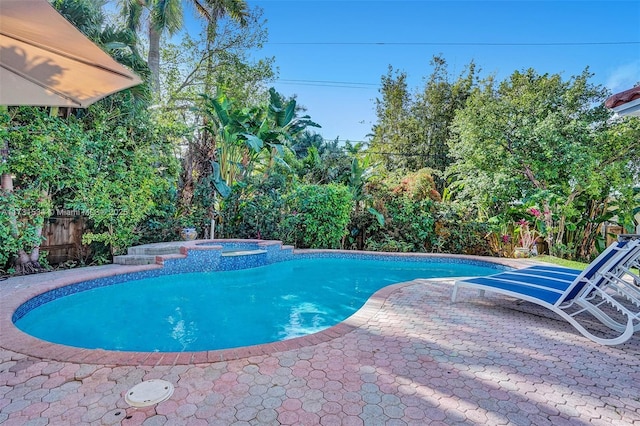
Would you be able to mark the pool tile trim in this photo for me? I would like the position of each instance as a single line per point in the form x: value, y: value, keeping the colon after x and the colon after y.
x: 13, y: 339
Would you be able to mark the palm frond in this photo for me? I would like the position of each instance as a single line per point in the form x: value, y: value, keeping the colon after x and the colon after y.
x: 166, y: 15
x: 236, y: 9
x: 131, y: 11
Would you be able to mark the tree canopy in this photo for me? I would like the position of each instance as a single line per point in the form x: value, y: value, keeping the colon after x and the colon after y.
x: 461, y: 164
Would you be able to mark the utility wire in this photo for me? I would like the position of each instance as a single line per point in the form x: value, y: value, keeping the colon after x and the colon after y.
x: 444, y: 43
x: 332, y: 82
x: 402, y: 154
x: 324, y: 83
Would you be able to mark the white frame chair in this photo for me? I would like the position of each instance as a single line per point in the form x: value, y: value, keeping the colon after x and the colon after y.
x: 608, y: 289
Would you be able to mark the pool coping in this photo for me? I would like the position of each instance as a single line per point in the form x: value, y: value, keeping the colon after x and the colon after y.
x: 17, y: 290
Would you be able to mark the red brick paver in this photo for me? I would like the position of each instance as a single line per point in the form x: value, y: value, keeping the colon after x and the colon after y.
x: 410, y: 357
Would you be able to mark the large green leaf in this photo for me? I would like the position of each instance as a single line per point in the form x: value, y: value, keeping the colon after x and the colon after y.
x: 379, y: 216
x: 254, y: 142
x: 290, y: 113
x: 219, y: 183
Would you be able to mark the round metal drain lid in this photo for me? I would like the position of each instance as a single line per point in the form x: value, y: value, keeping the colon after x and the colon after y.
x: 149, y: 392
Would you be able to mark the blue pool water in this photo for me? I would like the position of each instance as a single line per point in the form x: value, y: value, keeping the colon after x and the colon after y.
x: 216, y: 310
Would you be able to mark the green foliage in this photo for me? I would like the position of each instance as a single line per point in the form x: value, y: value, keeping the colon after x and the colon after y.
x: 412, y: 130
x: 325, y: 163
x: 162, y: 224
x: 627, y: 210
x: 48, y: 161
x: 47, y: 152
x: 197, y: 65
x: 317, y: 216
x: 131, y: 166
x: 255, y: 208
x: 538, y: 138
x: 401, y: 220
x: 391, y: 139
x: 456, y: 232
x: 166, y: 16
x: 247, y: 140
x: 409, y: 222
x: 387, y: 243
x: 118, y: 202
x: 22, y: 216
x: 246, y: 134
x: 419, y: 185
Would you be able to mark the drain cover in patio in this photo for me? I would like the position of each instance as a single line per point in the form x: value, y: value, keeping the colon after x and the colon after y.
x: 149, y: 392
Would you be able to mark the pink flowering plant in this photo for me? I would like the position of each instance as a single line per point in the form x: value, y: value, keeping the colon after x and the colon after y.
x: 500, y: 237
x: 517, y: 227
x: 526, y: 235
x: 528, y: 231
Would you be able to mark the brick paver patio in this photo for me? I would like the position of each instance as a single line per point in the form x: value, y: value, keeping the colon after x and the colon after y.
x: 411, y: 357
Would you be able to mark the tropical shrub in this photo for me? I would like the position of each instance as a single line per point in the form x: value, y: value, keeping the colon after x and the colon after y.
x: 456, y: 233
x: 419, y: 185
x: 21, y: 221
x: 408, y: 223
x: 548, y: 140
x: 48, y: 163
x: 254, y: 208
x: 317, y: 216
x: 130, y: 168
x: 386, y: 243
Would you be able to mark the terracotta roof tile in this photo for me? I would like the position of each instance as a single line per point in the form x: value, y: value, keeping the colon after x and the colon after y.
x: 623, y: 97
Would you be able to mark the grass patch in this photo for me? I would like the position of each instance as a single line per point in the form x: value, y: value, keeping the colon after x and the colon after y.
x: 561, y: 262
x: 570, y: 263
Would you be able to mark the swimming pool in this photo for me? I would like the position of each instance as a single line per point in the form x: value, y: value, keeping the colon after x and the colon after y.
x: 227, y: 309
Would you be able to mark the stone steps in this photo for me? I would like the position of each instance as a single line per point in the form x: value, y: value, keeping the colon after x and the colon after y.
x: 232, y: 253
x: 134, y: 259
x: 156, y: 249
x: 146, y: 253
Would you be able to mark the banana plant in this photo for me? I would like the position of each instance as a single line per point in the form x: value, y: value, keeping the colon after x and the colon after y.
x: 626, y: 215
x: 360, y: 173
x: 246, y: 134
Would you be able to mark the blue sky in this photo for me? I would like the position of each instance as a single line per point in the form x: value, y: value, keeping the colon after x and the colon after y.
x: 332, y: 54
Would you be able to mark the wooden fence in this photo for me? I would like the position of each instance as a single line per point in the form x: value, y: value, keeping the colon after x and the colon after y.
x: 63, y: 235
x: 611, y: 233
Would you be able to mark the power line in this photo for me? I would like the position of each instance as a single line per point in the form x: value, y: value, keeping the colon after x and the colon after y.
x: 444, y: 43
x: 324, y: 83
x: 332, y: 82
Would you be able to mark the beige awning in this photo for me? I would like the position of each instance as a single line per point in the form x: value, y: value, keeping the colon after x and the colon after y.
x: 46, y: 61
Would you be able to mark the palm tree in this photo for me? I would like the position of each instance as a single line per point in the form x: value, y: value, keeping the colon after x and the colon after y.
x: 167, y: 16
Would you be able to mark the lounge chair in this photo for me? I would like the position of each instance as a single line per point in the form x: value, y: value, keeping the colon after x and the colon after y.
x: 608, y: 289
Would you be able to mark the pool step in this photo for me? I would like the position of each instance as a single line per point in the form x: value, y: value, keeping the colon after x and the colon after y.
x: 135, y: 259
x: 242, y: 259
x: 231, y: 253
x: 156, y: 249
x: 146, y: 253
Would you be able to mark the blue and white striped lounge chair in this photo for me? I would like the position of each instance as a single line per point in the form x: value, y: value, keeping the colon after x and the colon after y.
x: 607, y: 290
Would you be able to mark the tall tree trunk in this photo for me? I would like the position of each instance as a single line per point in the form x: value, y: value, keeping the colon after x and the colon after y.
x: 595, y: 209
x: 7, y: 186
x: 7, y: 182
x: 548, y: 222
x: 29, y: 262
x: 212, y: 26
x: 563, y: 219
x: 153, y: 60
